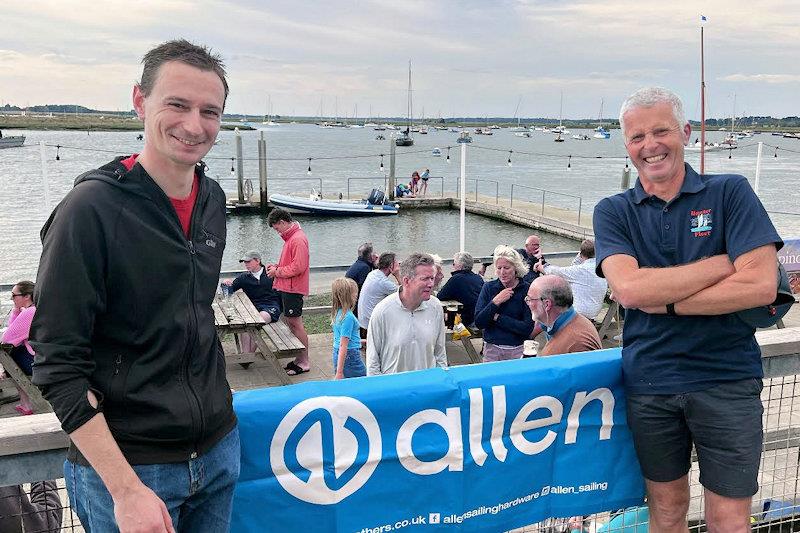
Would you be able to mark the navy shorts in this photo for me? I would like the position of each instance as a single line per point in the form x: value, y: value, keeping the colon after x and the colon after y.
x: 273, y: 312
x: 723, y: 422
x: 292, y: 304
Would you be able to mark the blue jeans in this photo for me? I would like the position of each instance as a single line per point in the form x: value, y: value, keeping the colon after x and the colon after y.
x: 198, y: 493
x: 353, y: 364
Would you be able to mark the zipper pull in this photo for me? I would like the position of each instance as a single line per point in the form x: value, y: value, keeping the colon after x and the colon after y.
x: 191, y: 247
x: 117, y: 363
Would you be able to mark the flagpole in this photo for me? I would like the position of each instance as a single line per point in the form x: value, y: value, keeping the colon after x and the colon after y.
x: 702, y: 102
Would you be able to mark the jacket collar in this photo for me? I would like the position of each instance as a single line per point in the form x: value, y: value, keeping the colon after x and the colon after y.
x: 562, y: 319
x: 294, y: 228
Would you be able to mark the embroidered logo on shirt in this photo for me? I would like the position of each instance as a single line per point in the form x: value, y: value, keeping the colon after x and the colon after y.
x: 701, y: 222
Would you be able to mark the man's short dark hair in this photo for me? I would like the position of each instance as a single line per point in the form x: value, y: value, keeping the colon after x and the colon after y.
x: 386, y: 260
x: 587, y: 248
x: 278, y: 214
x: 365, y: 251
x: 200, y: 57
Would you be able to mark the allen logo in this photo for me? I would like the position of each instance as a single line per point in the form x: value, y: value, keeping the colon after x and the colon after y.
x: 337, y: 422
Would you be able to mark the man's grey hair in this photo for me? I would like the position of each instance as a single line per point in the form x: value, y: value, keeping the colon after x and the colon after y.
x: 408, y: 268
x: 649, y: 97
x: 365, y: 251
x: 512, y: 256
x: 556, y: 289
x: 463, y: 261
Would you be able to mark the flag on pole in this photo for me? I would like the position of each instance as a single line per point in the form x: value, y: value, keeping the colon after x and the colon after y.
x: 703, y: 20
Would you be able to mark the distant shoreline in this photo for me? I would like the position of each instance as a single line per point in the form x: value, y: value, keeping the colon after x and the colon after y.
x: 100, y: 122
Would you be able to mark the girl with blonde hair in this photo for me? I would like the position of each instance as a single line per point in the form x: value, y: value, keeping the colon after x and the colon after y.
x: 347, y: 362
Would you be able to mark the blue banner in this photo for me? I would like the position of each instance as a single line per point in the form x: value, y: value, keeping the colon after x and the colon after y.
x: 485, y: 447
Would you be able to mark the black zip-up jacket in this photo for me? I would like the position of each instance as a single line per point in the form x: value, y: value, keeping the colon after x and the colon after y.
x: 124, y: 309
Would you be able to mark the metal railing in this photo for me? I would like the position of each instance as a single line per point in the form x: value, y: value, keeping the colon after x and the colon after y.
x: 545, y: 192
x: 34, y: 450
x: 384, y: 179
x: 477, y: 185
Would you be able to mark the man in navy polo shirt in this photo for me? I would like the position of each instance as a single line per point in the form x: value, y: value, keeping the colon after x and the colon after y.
x: 684, y: 252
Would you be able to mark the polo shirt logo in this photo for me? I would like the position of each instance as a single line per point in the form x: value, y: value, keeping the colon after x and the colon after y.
x: 701, y: 222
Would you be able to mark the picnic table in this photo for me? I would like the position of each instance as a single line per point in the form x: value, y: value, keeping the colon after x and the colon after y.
x: 236, y: 314
x: 466, y: 342
x: 22, y: 380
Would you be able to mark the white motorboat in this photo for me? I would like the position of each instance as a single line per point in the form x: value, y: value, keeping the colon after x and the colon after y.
x: 374, y: 205
x: 13, y: 141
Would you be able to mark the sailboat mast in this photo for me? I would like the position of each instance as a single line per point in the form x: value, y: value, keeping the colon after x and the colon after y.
x: 702, y: 105
x: 410, y: 105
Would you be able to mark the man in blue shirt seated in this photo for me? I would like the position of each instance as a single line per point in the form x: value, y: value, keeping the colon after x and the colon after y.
x: 258, y: 287
x: 463, y: 286
x: 683, y: 252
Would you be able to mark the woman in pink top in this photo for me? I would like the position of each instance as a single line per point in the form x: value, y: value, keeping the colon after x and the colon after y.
x: 19, y: 326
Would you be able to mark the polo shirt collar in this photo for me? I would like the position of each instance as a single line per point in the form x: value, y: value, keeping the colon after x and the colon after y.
x: 691, y: 184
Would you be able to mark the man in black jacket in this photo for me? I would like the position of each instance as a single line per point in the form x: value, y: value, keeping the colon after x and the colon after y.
x: 464, y: 286
x: 365, y: 264
x: 134, y: 369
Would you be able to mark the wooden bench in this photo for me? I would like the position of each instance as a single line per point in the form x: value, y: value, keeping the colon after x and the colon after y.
x: 612, y: 315
x: 237, y: 315
x: 22, y: 381
x: 285, y: 344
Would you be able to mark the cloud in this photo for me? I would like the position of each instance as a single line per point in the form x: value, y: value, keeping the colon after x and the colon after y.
x: 10, y: 55
x: 762, y: 78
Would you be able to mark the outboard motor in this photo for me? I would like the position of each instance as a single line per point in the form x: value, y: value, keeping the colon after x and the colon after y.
x: 376, y: 197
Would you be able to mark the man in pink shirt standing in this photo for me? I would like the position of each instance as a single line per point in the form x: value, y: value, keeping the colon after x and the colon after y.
x: 291, y: 280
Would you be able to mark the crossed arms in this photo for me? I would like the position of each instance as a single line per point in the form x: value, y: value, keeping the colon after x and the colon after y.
x: 711, y: 286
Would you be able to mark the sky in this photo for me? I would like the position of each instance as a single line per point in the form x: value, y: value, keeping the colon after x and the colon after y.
x: 469, y: 58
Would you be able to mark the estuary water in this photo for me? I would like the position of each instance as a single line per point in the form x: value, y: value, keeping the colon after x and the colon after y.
x: 32, y: 185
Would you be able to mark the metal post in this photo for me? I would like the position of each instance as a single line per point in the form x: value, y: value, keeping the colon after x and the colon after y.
x: 626, y: 179
x: 580, y: 201
x: 348, y: 189
x: 239, y: 167
x: 442, y: 186
x: 476, y: 189
x: 511, y: 204
x: 45, y: 178
x: 463, y: 210
x: 262, y: 171
x: 543, y: 195
x: 758, y: 166
x: 496, y: 193
x: 392, y: 153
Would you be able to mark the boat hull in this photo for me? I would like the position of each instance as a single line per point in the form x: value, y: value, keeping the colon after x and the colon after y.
x: 306, y: 206
x: 12, y: 142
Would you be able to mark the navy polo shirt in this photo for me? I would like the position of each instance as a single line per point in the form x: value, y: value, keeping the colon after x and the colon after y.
x: 712, y: 215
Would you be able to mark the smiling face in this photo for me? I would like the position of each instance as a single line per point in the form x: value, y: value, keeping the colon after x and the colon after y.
x: 655, y: 143
x: 181, y: 117
x: 505, y: 271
